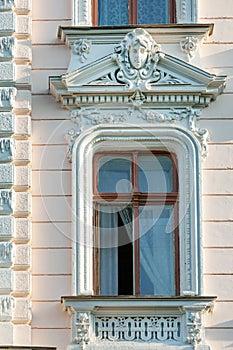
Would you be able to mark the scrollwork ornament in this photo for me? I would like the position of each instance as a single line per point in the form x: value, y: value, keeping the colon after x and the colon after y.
x: 82, y: 48
x: 194, y: 329
x: 82, y: 329
x: 201, y: 133
x: 189, y: 46
x: 137, y: 57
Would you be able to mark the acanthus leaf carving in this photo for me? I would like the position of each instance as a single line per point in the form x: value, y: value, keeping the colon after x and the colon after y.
x: 7, y: 47
x: 7, y: 96
x: 6, y: 254
x: 82, y: 117
x: 6, y: 5
x: 6, y: 202
x: 201, y: 133
x: 7, y: 305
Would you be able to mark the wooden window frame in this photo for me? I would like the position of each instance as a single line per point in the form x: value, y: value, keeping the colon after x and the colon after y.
x: 133, y: 12
x: 137, y: 199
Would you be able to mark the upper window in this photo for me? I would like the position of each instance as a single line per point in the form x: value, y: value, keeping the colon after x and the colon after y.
x: 136, y: 239
x: 124, y: 12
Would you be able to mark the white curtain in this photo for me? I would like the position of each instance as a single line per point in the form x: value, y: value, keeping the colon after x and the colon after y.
x: 156, y: 251
x: 109, y: 250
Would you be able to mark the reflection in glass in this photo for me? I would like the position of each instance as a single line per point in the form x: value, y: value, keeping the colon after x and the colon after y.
x: 155, y: 174
x: 114, y: 175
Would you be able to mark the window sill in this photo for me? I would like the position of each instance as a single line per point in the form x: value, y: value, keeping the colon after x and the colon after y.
x: 112, y: 322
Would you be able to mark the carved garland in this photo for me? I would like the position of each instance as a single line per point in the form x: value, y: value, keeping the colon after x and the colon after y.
x: 93, y: 116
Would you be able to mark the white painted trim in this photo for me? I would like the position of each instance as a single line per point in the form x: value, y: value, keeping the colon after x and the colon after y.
x: 187, y: 150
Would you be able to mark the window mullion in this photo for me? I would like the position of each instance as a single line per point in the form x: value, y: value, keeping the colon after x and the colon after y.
x: 136, y: 245
x: 133, y: 11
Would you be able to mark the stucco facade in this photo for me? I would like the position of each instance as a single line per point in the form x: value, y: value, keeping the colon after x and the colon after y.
x: 37, y: 188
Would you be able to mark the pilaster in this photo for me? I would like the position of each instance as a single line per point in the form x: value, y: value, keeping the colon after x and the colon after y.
x: 15, y: 172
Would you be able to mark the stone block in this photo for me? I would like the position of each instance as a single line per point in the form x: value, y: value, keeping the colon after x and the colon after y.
x: 6, y: 202
x: 23, y: 74
x: 23, y: 50
x: 23, y: 205
x: 7, y: 225
x: 7, y: 333
x: 22, y: 256
x: 23, y: 151
x: 6, y: 254
x: 22, y: 177
x: 22, y: 283
x: 7, y: 23
x: 22, y: 312
x: 6, y: 281
x: 23, y: 126
x: 24, y: 26
x: 23, y: 101
x: 7, y: 124
x: 7, y: 71
x: 23, y: 230
x: 22, y: 335
x: 7, y: 5
x: 24, y: 6
x: 6, y: 175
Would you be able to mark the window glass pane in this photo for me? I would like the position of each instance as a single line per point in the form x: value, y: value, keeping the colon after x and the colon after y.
x: 116, y: 251
x: 155, y: 174
x: 153, y: 11
x: 157, y: 272
x: 112, y: 12
x: 114, y: 175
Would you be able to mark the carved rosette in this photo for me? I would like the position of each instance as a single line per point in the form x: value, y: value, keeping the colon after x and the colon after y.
x: 82, y: 48
x: 189, y: 46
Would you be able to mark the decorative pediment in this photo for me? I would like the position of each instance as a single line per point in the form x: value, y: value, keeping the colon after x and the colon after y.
x: 137, y: 64
x: 136, y: 83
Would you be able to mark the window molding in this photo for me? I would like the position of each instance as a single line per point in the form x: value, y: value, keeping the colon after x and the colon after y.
x: 186, y: 12
x: 176, y: 140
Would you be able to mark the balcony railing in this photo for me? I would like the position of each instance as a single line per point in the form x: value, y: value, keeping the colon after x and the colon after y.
x: 174, y: 323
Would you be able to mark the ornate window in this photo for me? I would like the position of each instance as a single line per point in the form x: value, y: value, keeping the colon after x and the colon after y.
x: 136, y: 236
x: 123, y: 12
x: 135, y: 112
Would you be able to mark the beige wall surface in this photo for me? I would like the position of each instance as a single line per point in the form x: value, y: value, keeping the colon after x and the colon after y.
x: 51, y: 179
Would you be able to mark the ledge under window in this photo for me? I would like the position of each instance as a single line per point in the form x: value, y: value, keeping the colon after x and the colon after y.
x: 138, y: 322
